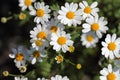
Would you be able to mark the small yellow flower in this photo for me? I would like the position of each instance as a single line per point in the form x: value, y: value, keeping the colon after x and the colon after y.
x: 78, y: 66
x: 5, y: 73
x: 59, y: 58
x: 71, y: 49
x: 23, y: 69
x: 22, y: 16
x: 3, y: 19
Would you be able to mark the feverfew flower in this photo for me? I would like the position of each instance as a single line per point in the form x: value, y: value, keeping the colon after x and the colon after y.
x: 19, y: 55
x: 39, y: 35
x: 70, y: 15
x: 111, y: 46
x: 55, y: 25
x: 109, y: 74
x: 24, y: 4
x: 42, y: 12
x: 61, y: 40
x: 59, y: 58
x: 37, y: 55
x: 95, y: 24
x: 41, y: 79
x: 89, y: 39
x: 59, y: 77
x: 21, y: 78
x: 88, y: 11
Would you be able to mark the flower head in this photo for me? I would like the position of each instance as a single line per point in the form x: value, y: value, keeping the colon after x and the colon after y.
x: 111, y: 46
x: 59, y: 77
x: 95, y: 24
x: 24, y: 4
x: 109, y: 74
x: 89, y: 39
x: 88, y: 11
x: 61, y: 40
x: 69, y: 14
x: 42, y: 12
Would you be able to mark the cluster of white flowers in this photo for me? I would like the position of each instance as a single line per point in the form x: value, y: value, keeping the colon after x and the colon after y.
x: 51, y: 33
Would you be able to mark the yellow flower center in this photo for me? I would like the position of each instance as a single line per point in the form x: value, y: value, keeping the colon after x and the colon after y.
x: 19, y: 57
x: 39, y: 43
x: 89, y: 38
x: 111, y: 76
x: 78, y: 66
x: 40, y: 12
x: 36, y: 54
x: 28, y: 2
x: 111, y: 46
x: 71, y: 49
x: 70, y: 15
x: 87, y: 10
x: 59, y: 58
x: 22, y: 16
x: 5, y: 73
x: 95, y: 26
x: 42, y: 35
x: 54, y: 29
x: 61, y: 40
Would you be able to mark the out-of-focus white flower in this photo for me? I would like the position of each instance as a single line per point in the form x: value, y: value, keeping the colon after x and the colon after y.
x: 89, y: 39
x: 24, y: 4
x: 59, y: 77
x: 21, y: 78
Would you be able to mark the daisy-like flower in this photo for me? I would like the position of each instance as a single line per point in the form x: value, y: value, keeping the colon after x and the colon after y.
x: 42, y: 12
x: 37, y: 55
x: 19, y: 55
x: 21, y: 78
x: 41, y: 79
x: 111, y: 46
x: 54, y: 26
x: 39, y: 35
x: 59, y: 77
x: 61, y: 40
x: 88, y: 11
x: 24, y: 4
x: 59, y: 58
x: 89, y: 39
x: 95, y: 24
x: 109, y: 74
x: 70, y: 15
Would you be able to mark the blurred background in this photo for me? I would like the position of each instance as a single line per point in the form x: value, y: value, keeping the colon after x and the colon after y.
x: 17, y: 32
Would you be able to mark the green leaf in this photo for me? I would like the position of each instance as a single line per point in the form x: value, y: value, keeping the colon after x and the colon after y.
x: 55, y: 7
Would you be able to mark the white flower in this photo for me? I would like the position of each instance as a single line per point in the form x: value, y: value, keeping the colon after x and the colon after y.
x: 59, y: 77
x: 20, y: 55
x: 109, y: 74
x: 89, y: 39
x: 88, y: 11
x: 21, y: 78
x: 42, y: 12
x: 111, y: 46
x: 37, y: 55
x: 70, y: 15
x: 61, y: 40
x: 24, y: 4
x: 39, y: 35
x: 54, y: 26
x: 95, y: 24
x: 41, y: 79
